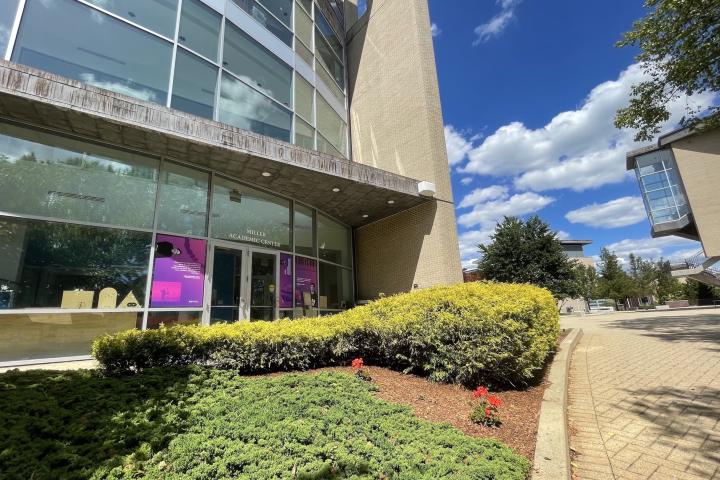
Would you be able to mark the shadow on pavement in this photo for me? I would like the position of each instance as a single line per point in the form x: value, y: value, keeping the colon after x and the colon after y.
x: 682, y: 415
x: 695, y: 328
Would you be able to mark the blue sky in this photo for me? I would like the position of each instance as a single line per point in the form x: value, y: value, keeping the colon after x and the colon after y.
x: 529, y: 89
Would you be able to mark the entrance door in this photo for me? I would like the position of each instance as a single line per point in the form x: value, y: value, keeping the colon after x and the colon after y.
x: 242, y: 284
x: 227, y: 300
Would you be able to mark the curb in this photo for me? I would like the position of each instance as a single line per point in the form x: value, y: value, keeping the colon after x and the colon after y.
x: 552, y: 449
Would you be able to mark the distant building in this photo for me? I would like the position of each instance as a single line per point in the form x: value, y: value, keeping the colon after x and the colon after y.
x: 679, y: 178
x: 575, y: 249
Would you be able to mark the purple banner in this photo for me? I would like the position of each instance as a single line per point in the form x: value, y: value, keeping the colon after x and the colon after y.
x: 178, y: 272
x: 286, y: 280
x: 305, y: 283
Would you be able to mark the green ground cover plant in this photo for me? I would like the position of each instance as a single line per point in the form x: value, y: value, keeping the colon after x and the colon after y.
x: 200, y: 423
x: 472, y: 334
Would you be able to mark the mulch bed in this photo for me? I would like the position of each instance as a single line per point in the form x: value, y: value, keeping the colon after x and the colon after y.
x: 442, y: 403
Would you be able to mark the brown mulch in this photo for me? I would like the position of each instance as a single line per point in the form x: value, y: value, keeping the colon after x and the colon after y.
x: 442, y: 403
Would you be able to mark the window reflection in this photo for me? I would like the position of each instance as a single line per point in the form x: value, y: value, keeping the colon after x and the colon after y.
x: 57, y: 265
x: 200, y: 28
x: 194, y: 85
x: 333, y: 240
x: 182, y: 206
x: 101, y: 51
x: 156, y: 15
x: 53, y: 176
x: 245, y: 108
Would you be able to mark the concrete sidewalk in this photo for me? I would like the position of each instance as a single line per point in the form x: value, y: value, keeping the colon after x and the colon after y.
x: 645, y: 396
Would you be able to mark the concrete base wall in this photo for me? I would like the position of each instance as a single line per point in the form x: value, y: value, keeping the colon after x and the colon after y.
x: 414, y: 249
x: 698, y: 161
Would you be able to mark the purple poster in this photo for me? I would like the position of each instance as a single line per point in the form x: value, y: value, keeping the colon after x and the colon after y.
x: 305, y: 283
x: 178, y: 273
x: 286, y: 280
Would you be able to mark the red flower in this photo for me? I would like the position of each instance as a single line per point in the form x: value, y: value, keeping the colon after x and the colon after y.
x: 480, y: 392
x: 357, y: 363
x: 488, y: 412
x: 494, y: 401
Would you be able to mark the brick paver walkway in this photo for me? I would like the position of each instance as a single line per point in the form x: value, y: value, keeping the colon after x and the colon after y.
x: 645, y: 396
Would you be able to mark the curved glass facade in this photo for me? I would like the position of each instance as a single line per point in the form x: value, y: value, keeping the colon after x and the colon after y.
x: 96, y: 239
x: 274, y: 67
x: 660, y: 186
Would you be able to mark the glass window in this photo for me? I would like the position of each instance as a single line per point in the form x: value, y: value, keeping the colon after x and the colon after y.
x: 8, y: 9
x: 156, y: 15
x: 304, y: 27
x: 665, y: 215
x: 328, y: 60
x: 304, y: 53
x: 307, y: 5
x: 331, y: 126
x: 326, y: 147
x: 260, y: 14
x: 333, y: 241
x: 194, y: 85
x: 246, y: 108
x: 328, y: 82
x: 304, y: 228
x: 53, y: 176
x: 170, y: 319
x: 655, y: 181
x: 73, y: 40
x: 304, y: 99
x: 182, y: 205
x: 29, y: 336
x: 660, y: 199
x: 244, y: 214
x: 304, y: 134
x: 200, y: 28
x: 328, y: 34
x: 335, y: 288
x: 306, y: 295
x: 60, y: 265
x: 256, y: 66
x: 282, y: 9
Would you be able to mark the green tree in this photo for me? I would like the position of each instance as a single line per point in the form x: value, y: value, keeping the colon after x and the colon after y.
x: 586, y: 280
x: 528, y: 252
x: 613, y: 283
x: 680, y: 53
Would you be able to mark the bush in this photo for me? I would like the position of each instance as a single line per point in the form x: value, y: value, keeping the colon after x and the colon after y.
x: 195, y: 423
x: 472, y: 334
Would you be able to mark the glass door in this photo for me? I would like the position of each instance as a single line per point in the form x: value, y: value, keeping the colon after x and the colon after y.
x: 263, y: 286
x: 227, y: 299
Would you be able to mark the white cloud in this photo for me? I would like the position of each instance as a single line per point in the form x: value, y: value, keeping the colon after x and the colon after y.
x: 620, y: 212
x: 652, y: 248
x: 480, y: 195
x: 498, y: 23
x: 469, y: 241
x: 457, y: 145
x: 435, y: 30
x: 562, y: 235
x: 489, y: 212
x: 578, y: 149
x: 466, y: 180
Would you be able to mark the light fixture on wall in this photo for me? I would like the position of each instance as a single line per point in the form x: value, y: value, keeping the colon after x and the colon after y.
x: 365, y: 215
x: 390, y: 202
x: 335, y: 189
x: 266, y: 174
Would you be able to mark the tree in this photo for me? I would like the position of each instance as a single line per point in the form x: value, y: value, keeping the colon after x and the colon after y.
x: 586, y: 280
x: 680, y: 53
x: 614, y: 282
x: 528, y: 252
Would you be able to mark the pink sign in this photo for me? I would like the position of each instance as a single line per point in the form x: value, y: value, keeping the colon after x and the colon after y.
x: 178, y: 272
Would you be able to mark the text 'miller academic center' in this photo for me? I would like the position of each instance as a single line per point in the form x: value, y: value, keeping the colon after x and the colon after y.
x: 169, y: 162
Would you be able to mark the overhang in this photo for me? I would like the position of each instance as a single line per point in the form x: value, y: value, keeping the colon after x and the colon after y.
x: 663, y: 141
x: 46, y: 100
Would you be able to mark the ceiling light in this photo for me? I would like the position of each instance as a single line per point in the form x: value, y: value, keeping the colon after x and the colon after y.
x: 365, y: 215
x: 336, y: 189
x: 390, y: 202
x: 267, y: 174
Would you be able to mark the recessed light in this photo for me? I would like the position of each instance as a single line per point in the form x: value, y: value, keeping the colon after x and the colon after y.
x: 336, y: 189
x: 267, y: 174
x: 365, y: 215
x: 390, y: 202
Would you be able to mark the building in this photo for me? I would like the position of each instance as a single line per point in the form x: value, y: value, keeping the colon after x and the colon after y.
x: 678, y: 179
x: 575, y: 249
x: 198, y: 161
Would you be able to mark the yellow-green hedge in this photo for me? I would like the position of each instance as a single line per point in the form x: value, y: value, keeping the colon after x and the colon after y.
x: 470, y: 333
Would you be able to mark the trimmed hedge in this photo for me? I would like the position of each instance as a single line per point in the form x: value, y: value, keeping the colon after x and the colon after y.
x: 473, y: 333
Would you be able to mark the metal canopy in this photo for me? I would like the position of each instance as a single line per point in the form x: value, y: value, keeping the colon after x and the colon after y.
x: 46, y: 100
